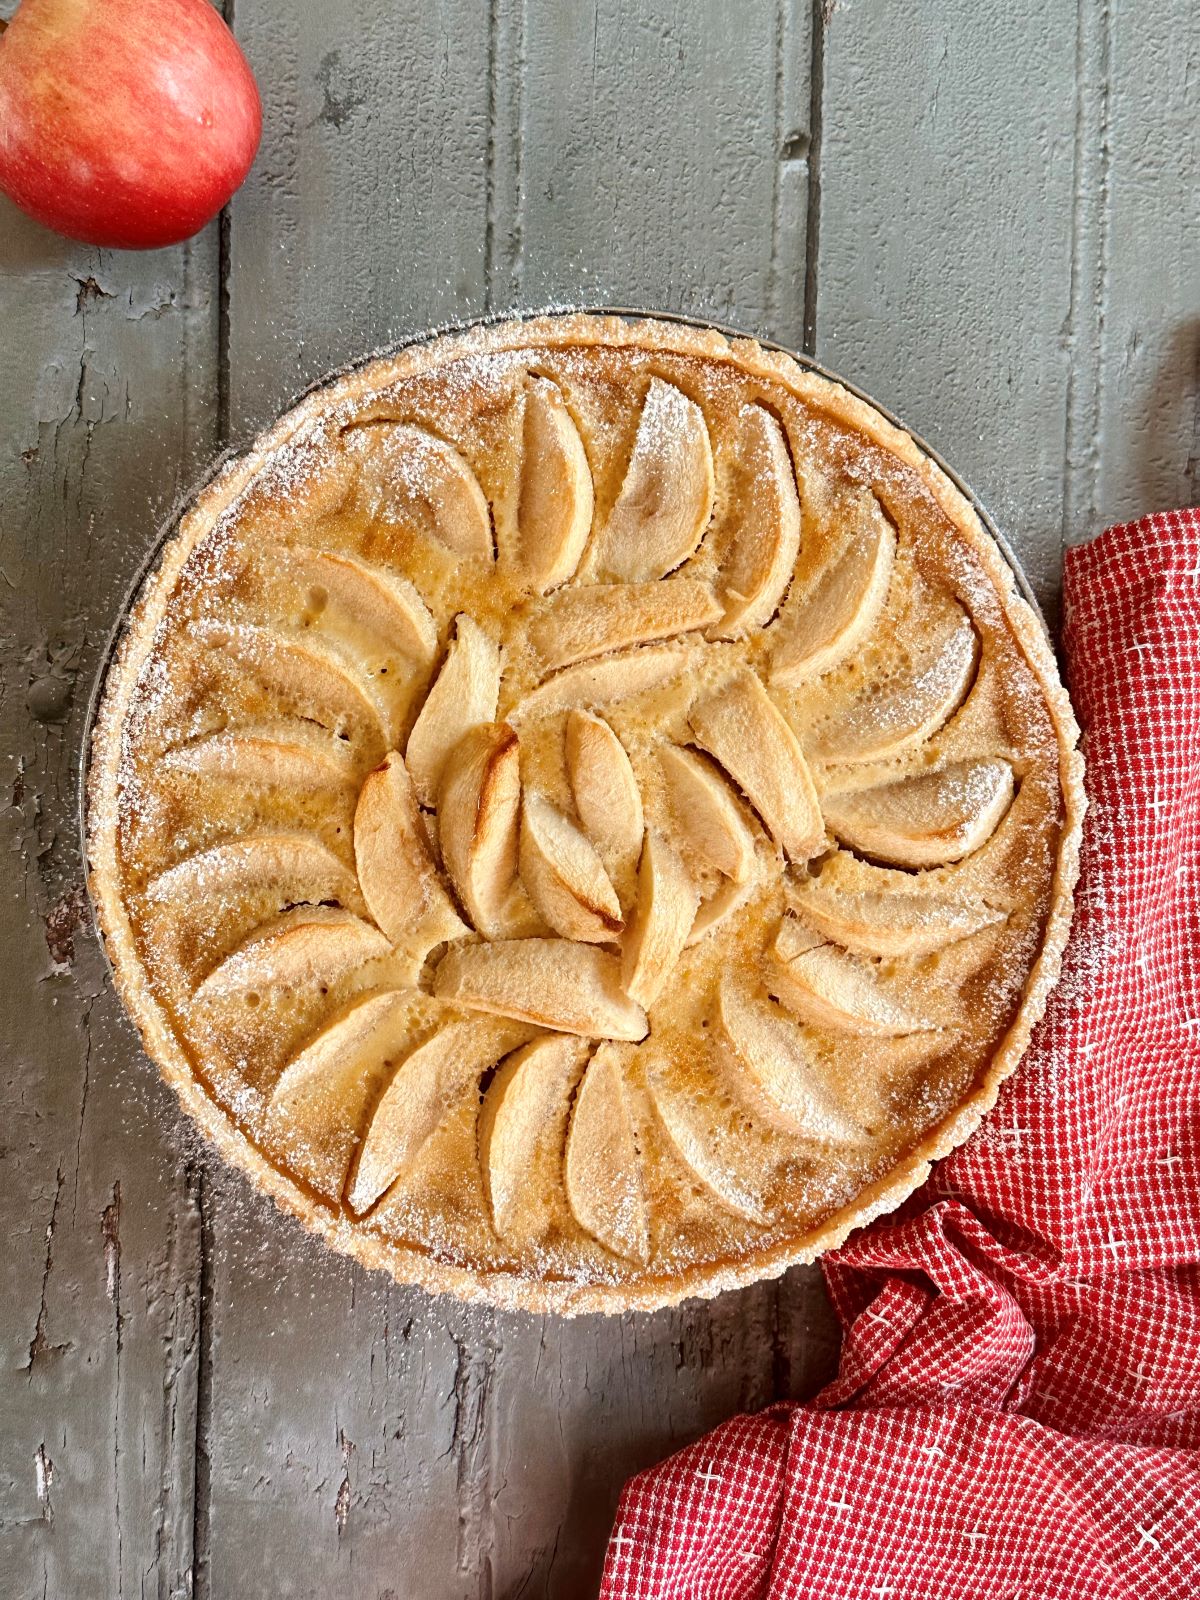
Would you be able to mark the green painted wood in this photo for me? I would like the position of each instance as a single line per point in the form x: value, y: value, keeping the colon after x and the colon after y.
x: 109, y: 369
x: 947, y: 195
x: 977, y: 213
x: 1146, y: 452
x: 343, y: 1416
x: 365, y: 218
x: 343, y: 253
x: 660, y: 159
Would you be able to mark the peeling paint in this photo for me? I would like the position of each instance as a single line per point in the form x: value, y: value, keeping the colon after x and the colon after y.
x: 338, y: 86
x: 43, y: 1472
x: 62, y: 923
x: 341, y: 1506
x: 110, y: 1228
x: 89, y: 289
x: 40, y: 1345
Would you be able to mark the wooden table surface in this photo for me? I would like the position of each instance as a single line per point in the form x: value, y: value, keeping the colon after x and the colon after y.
x: 984, y: 214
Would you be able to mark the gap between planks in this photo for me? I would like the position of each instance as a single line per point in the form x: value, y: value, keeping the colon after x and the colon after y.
x: 1090, y: 224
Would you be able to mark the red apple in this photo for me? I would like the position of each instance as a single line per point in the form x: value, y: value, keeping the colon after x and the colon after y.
x: 124, y: 122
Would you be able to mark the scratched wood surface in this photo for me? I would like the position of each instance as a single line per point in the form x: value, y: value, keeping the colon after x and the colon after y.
x: 985, y: 215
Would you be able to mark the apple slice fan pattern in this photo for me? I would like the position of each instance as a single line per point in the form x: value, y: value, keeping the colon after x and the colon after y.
x: 582, y: 815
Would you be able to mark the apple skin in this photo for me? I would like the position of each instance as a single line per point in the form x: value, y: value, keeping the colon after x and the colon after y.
x: 126, y: 123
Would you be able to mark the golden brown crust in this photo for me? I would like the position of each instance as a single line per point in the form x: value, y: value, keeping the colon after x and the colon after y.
x: 650, y: 1289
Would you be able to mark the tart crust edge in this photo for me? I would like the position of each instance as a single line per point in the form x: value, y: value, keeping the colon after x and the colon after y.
x: 509, y: 1291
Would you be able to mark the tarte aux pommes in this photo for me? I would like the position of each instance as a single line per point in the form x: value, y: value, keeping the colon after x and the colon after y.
x: 582, y: 814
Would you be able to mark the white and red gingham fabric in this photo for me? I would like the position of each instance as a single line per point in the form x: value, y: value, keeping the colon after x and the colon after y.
x: 1017, y: 1410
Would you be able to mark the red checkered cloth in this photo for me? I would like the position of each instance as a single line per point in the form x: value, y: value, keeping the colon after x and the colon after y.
x: 1017, y: 1410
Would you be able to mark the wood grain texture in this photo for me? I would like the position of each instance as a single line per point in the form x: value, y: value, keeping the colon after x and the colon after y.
x: 441, y: 1470
x: 1147, y: 440
x: 337, y: 1429
x: 365, y: 217
x: 110, y: 367
x: 659, y: 159
x: 981, y: 214
x: 950, y: 301
x: 342, y: 1411
x: 578, y: 1407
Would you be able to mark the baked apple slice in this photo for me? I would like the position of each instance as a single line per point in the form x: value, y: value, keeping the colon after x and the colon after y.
x: 662, y: 919
x: 927, y: 818
x: 395, y: 871
x: 553, y: 983
x: 706, y: 814
x: 315, y: 678
x: 479, y: 806
x: 819, y: 629
x: 408, y: 475
x: 707, y: 1138
x: 324, y: 1091
x: 382, y: 602
x: 426, y: 1086
x: 593, y: 684
x: 278, y: 753
x: 522, y: 1131
x: 292, y: 867
x: 742, y: 727
x: 564, y: 877
x: 604, y: 789
x: 833, y: 989
x: 305, y: 947
x: 873, y: 914
x: 666, y: 497
x: 603, y: 1167
x: 772, y: 1052
x: 465, y: 692
x: 554, y: 510
x: 595, y: 620
x: 880, y: 722
x: 763, y: 539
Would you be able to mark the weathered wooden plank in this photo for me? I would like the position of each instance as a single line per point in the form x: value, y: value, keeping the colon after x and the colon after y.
x: 365, y: 217
x: 662, y: 159
x: 1147, y: 435
x: 345, y: 1413
x: 305, y: 1447
x: 578, y: 1407
x: 337, y: 1430
x: 109, y: 365
x: 944, y: 265
x: 649, y: 156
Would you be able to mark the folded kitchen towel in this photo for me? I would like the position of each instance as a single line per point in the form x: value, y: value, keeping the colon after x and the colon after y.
x: 1017, y: 1410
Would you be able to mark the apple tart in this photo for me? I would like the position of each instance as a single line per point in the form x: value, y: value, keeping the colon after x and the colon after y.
x: 582, y: 814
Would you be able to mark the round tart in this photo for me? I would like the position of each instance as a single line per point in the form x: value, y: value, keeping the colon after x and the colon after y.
x: 582, y: 815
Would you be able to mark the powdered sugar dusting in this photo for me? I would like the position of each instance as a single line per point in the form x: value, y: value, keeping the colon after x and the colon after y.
x: 255, y: 669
